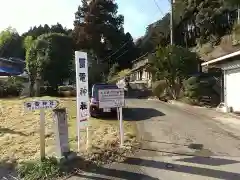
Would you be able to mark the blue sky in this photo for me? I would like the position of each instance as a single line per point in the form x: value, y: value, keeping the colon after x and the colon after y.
x: 26, y: 13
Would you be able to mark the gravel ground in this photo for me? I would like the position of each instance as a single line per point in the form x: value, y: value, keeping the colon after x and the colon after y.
x: 177, y: 143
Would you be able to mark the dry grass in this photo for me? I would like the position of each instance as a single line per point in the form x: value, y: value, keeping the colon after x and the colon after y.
x: 19, y: 131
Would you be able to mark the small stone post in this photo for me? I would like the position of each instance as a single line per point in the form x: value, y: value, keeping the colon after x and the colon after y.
x: 61, y: 131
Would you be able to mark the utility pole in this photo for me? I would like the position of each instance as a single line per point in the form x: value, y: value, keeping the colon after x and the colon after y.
x: 172, y: 23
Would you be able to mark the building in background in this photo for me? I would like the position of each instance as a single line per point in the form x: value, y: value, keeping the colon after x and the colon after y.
x: 140, y: 77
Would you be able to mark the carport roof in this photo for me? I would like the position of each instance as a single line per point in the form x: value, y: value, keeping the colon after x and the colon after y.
x: 6, y: 71
x: 220, y: 59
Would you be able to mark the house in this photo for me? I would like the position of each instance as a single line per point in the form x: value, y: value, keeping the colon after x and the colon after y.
x: 140, y: 77
x: 230, y: 65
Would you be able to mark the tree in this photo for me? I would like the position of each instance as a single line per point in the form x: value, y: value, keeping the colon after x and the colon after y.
x: 113, y: 71
x: 36, y: 57
x: 99, y: 28
x: 204, y: 21
x: 49, y: 59
x: 100, y: 23
x: 35, y: 31
x: 157, y: 34
x: 173, y: 64
x: 95, y: 73
x: 11, y: 44
x: 60, y: 57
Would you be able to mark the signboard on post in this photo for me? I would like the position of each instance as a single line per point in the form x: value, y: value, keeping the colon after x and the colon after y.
x: 81, y: 63
x: 113, y: 98
x: 36, y: 105
x: 41, y: 104
x: 82, y: 88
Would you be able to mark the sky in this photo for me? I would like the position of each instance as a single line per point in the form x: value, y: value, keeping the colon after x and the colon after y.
x: 24, y: 14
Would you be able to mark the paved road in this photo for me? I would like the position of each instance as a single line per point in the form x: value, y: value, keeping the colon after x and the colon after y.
x: 177, y: 143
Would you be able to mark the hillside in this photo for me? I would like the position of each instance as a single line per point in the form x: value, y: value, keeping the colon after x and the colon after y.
x: 226, y: 46
x: 206, y: 27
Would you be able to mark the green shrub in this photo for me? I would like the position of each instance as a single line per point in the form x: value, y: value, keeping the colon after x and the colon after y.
x: 40, y: 170
x: 48, y: 91
x: 66, y: 88
x: 67, y: 91
x: 192, y: 88
x: 10, y: 87
x: 159, y: 88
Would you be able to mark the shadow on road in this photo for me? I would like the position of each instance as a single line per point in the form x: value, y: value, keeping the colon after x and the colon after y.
x: 140, y: 114
x: 162, y: 142
x: 184, y: 168
x: 208, y: 161
x: 117, y: 173
x: 88, y: 167
x: 7, y: 170
x: 89, y: 177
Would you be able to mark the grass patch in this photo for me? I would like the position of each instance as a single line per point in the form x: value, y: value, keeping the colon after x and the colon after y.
x: 19, y: 132
x: 49, y: 168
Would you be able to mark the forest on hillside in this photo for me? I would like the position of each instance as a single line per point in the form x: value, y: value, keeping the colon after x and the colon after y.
x: 196, y: 23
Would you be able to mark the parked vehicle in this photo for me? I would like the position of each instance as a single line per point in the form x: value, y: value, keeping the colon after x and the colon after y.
x: 95, y: 111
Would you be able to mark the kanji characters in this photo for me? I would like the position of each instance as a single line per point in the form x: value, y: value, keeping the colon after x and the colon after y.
x: 82, y: 62
x: 29, y: 105
x: 83, y: 105
x: 51, y: 103
x: 82, y: 77
x: 83, y: 91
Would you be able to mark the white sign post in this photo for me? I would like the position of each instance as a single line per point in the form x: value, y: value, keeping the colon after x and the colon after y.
x: 81, y: 63
x: 41, y: 105
x: 113, y: 98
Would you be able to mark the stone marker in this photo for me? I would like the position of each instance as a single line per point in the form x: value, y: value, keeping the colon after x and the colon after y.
x: 61, y: 132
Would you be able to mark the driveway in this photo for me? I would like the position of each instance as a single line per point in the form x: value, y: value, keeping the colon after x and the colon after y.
x: 176, y: 143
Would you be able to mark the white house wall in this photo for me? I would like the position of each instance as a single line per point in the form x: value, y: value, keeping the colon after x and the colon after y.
x: 232, y: 85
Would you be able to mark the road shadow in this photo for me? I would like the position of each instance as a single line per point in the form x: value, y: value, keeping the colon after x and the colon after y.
x: 140, y: 114
x: 10, y: 131
x: 163, y: 142
x: 7, y: 170
x: 86, y: 166
x: 208, y: 161
x: 116, y: 173
x: 109, y: 117
x: 183, y: 169
x: 133, y: 114
x: 88, y: 177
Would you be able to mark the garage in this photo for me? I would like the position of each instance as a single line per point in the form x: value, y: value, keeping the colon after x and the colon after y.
x: 230, y: 65
x: 232, y: 89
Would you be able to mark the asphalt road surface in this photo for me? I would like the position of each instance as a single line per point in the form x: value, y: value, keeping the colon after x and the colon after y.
x: 176, y: 143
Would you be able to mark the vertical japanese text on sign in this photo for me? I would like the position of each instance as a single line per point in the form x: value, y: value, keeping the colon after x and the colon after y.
x: 82, y: 85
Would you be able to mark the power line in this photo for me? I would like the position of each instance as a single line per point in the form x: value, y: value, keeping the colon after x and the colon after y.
x: 122, y: 54
x: 129, y: 41
x: 117, y: 50
x: 158, y: 7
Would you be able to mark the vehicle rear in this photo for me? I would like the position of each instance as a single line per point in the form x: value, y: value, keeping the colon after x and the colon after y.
x: 95, y: 111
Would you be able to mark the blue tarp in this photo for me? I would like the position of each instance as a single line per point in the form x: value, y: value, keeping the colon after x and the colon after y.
x: 9, y: 71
